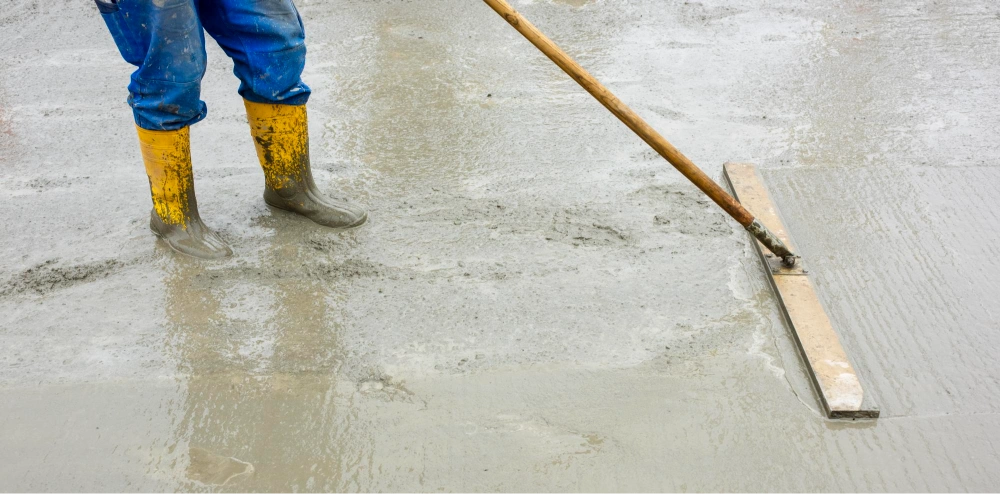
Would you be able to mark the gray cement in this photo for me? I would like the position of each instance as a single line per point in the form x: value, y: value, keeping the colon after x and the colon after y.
x: 538, y: 301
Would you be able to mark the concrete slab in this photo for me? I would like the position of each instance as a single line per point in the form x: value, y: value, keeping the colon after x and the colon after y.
x: 538, y: 303
x: 836, y: 382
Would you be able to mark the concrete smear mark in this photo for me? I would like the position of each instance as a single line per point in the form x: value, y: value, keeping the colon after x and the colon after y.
x: 573, y: 3
x: 685, y: 210
x: 383, y: 388
x: 48, y: 276
x: 563, y: 444
x: 212, y: 469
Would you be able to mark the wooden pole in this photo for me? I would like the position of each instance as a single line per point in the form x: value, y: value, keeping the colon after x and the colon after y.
x: 641, y: 128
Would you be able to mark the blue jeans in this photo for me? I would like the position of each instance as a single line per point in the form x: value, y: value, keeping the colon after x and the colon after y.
x: 165, y: 39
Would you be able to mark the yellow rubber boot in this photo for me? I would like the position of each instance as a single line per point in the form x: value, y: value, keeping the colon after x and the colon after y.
x: 281, y: 134
x: 167, y: 155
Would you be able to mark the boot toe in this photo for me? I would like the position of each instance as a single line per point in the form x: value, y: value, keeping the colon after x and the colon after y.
x: 331, y: 213
x: 341, y: 215
x: 196, y: 240
x: 210, y: 246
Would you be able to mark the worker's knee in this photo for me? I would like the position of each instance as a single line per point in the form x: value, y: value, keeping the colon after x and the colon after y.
x: 275, y: 54
x: 165, y: 93
x: 176, y: 44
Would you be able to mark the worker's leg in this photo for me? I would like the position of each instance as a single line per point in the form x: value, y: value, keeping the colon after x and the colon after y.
x: 164, y: 40
x: 266, y: 41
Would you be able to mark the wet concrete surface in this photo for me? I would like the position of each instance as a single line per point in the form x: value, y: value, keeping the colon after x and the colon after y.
x: 538, y: 302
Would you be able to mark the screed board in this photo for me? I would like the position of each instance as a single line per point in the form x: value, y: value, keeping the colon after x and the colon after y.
x: 832, y: 373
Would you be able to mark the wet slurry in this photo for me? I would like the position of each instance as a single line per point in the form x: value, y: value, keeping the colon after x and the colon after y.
x: 538, y: 301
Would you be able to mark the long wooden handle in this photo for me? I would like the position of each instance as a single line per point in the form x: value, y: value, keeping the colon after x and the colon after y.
x: 623, y: 112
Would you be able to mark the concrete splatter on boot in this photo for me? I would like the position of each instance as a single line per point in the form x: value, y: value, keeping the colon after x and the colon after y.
x: 281, y: 135
x: 167, y: 156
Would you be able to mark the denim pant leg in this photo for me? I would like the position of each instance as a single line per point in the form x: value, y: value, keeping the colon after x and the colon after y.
x: 266, y: 40
x: 165, y: 41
